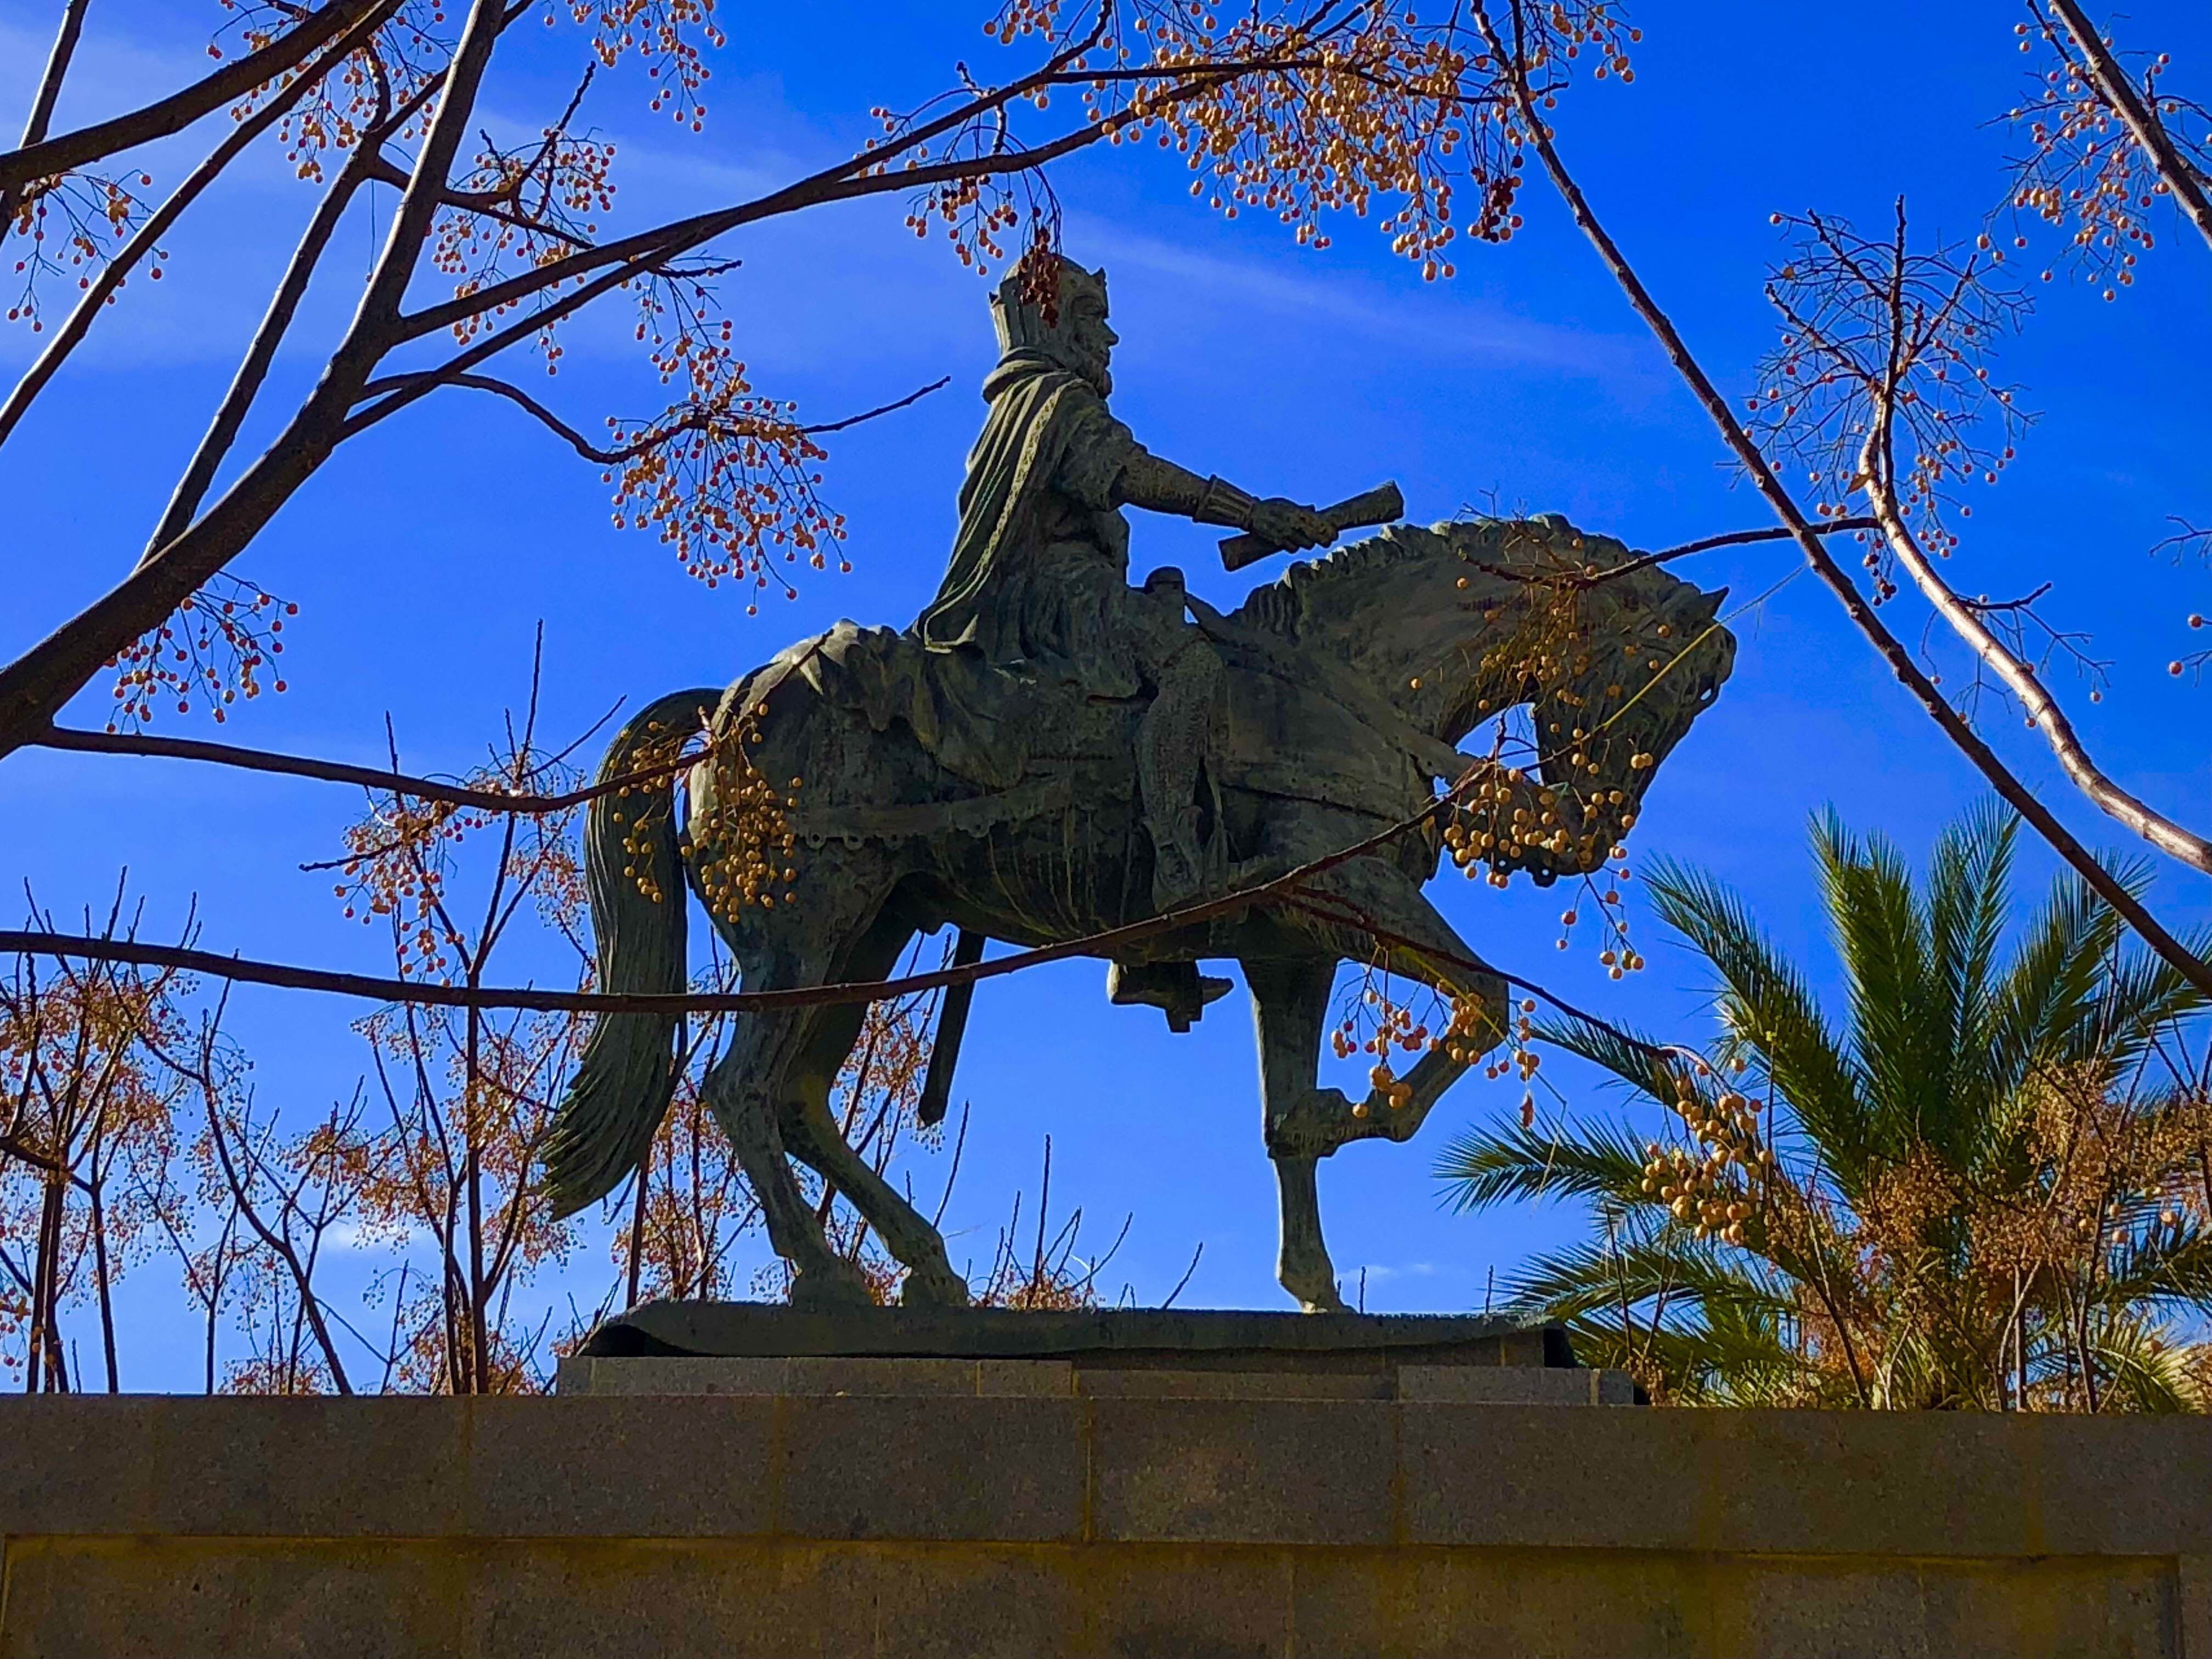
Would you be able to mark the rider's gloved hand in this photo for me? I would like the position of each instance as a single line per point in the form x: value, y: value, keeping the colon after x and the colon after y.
x: 1285, y: 523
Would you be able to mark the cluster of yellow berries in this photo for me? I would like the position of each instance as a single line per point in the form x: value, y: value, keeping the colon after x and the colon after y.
x: 1290, y: 114
x: 541, y: 196
x: 740, y: 842
x: 1714, y: 1188
x: 2083, y: 165
x: 1394, y: 1028
x: 724, y: 476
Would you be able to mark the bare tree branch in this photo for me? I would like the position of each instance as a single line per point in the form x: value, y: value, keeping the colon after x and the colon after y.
x: 179, y: 110
x: 245, y: 970
x: 1587, y: 578
x: 2020, y: 678
x: 42, y: 103
x: 583, y: 445
x: 102, y: 287
x: 369, y: 777
x: 2023, y: 801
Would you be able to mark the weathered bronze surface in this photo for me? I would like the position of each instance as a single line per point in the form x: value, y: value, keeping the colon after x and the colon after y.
x: 1049, y: 753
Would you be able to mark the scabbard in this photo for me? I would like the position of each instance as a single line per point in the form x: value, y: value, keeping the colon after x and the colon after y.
x: 951, y: 1026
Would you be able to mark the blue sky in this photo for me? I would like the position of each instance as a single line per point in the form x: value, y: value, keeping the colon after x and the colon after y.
x: 424, y: 557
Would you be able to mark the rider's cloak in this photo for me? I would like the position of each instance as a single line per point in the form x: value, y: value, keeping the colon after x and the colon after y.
x: 1039, y: 573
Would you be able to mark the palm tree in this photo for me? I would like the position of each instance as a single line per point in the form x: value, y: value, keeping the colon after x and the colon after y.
x: 1989, y: 1187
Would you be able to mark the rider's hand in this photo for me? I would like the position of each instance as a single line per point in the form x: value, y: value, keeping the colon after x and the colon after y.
x: 1283, y: 523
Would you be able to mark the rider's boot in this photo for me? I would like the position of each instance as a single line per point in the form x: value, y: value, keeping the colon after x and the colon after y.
x: 1178, y: 989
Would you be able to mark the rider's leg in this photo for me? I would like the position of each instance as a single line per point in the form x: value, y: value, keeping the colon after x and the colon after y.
x: 1171, y: 750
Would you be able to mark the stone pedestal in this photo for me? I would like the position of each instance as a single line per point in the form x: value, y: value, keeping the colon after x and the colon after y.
x: 972, y: 1506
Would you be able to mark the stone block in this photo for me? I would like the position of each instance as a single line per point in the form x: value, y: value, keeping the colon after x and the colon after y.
x: 1144, y: 1383
x: 1287, y: 1471
x: 1505, y: 1474
x: 74, y: 1463
x: 1006, y: 1468
x: 1153, y: 1604
x: 1036, y: 1378
x: 1179, y: 1338
x: 174, y: 1598
x: 1515, y: 1385
x: 596, y: 1466
x: 2104, y: 1485
x: 2193, y: 1605
x: 776, y: 1601
x: 668, y: 1375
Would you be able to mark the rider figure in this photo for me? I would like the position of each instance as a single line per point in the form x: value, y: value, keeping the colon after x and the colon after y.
x: 1039, y: 574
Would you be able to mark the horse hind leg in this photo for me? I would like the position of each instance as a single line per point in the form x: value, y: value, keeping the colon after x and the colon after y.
x: 738, y: 1094
x: 811, y: 1132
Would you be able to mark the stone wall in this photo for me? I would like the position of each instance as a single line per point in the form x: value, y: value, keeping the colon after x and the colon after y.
x: 987, y: 1525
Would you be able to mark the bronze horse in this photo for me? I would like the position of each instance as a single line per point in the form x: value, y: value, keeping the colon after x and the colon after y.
x: 932, y: 790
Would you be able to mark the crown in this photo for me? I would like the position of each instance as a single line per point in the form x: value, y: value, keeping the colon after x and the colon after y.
x: 1014, y: 308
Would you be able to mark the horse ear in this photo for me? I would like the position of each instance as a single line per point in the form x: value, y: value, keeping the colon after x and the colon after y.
x: 1711, y: 603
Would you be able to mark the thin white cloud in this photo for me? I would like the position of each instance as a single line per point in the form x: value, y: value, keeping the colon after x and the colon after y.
x: 1448, y: 324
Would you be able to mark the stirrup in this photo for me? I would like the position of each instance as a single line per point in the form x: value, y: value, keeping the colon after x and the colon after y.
x: 1178, y: 989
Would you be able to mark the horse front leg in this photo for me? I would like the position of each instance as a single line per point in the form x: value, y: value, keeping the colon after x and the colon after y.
x: 1370, y: 912
x: 1290, y: 1006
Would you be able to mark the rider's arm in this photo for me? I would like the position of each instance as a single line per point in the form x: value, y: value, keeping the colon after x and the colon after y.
x: 1150, y: 482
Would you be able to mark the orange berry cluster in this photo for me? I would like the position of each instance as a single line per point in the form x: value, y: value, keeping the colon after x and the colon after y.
x: 399, y: 863
x: 215, y: 648
x: 529, y: 207
x: 1715, y: 1186
x: 410, y: 49
x: 724, y: 476
x: 96, y: 213
x: 1291, y: 111
x: 2082, y: 171
x: 661, y: 32
x: 1380, y: 1025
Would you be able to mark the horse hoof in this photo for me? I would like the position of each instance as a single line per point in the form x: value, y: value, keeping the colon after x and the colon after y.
x: 938, y: 1289
x: 1313, y: 1289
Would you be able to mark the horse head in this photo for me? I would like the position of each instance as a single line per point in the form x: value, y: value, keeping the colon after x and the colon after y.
x: 1589, y: 663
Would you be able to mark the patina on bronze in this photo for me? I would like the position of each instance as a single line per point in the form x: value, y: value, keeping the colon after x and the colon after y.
x: 1048, y: 753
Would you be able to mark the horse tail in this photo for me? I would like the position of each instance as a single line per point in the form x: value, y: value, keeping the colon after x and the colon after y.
x: 633, y: 874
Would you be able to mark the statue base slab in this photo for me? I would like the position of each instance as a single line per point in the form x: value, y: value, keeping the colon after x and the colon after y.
x: 758, y: 1348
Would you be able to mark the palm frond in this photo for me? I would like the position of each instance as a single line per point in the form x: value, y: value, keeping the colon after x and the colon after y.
x: 1501, y: 1160
x: 1627, y: 1053
x: 1667, y: 1266
x: 1899, y: 1023
x: 2146, y: 1369
x: 2159, y: 1267
x: 1769, y: 1006
x: 2046, y: 1006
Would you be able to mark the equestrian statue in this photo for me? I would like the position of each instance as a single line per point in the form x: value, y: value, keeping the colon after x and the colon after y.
x: 1050, y: 753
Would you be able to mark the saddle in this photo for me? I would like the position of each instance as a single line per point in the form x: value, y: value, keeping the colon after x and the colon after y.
x: 992, y: 726
x: 1014, y: 735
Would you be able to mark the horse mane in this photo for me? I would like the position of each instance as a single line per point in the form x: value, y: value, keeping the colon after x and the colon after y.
x: 1320, y: 596
x: 1284, y: 604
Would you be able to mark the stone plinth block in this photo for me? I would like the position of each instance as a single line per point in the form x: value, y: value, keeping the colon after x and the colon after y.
x: 1042, y: 1507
